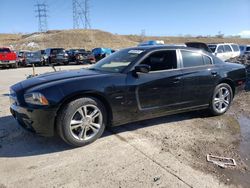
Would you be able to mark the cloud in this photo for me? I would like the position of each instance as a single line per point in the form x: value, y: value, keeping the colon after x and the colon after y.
x: 245, y: 34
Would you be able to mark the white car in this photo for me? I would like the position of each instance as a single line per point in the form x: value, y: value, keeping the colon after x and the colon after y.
x: 225, y: 51
x: 244, y: 49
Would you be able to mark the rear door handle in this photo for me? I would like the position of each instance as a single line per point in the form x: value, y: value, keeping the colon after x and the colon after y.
x: 177, y: 80
x: 214, y: 73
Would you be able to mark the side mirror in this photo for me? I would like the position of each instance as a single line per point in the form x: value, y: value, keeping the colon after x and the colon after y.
x: 143, y: 68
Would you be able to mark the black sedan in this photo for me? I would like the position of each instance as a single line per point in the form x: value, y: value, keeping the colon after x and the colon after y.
x: 130, y: 85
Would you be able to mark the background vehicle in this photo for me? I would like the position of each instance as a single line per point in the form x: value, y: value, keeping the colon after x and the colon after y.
x: 7, y: 58
x: 100, y: 53
x: 151, y: 43
x: 33, y: 58
x: 244, y: 49
x: 130, y: 85
x: 21, y: 57
x: 42, y: 54
x: 73, y: 53
x: 90, y: 58
x: 225, y: 51
x: 56, y: 56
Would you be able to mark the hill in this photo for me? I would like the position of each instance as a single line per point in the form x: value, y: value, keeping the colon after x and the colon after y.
x: 89, y: 39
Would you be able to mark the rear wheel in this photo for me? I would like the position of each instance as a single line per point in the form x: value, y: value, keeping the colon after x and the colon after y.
x: 81, y: 121
x: 221, y: 100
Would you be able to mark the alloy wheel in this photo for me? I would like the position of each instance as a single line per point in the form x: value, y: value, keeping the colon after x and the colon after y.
x: 86, y: 122
x: 222, y: 99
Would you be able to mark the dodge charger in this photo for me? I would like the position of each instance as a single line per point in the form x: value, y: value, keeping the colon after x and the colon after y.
x: 130, y: 85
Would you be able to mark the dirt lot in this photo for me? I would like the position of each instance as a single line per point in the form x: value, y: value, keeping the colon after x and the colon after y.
x: 164, y: 152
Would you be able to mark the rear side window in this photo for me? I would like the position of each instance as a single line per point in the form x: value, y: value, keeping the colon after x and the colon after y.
x: 57, y: 51
x: 227, y: 48
x: 191, y: 59
x: 161, y: 60
x: 247, y: 49
x: 220, y: 49
x: 235, y: 47
x: 207, y: 60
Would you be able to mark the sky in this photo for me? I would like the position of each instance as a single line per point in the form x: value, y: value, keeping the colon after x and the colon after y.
x: 156, y: 17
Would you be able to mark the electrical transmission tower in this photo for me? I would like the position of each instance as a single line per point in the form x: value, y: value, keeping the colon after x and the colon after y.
x: 81, y: 14
x: 41, y: 10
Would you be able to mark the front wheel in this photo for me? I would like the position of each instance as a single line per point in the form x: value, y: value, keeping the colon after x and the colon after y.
x: 81, y: 121
x: 221, y: 100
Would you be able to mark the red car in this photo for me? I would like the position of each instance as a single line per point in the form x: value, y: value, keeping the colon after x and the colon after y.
x: 7, y: 58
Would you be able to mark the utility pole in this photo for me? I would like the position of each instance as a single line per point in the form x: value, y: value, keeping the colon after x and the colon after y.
x: 81, y: 14
x: 41, y: 10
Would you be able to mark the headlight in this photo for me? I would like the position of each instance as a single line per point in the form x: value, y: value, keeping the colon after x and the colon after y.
x: 36, y: 99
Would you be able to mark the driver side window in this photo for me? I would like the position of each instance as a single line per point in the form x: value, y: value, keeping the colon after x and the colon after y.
x: 220, y: 49
x: 161, y: 60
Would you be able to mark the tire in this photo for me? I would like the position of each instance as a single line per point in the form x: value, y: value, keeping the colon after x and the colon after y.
x: 221, y: 99
x: 72, y: 122
x: 14, y: 66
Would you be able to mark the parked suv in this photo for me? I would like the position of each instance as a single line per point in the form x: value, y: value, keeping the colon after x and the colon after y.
x: 56, y: 56
x: 225, y: 51
x: 244, y: 49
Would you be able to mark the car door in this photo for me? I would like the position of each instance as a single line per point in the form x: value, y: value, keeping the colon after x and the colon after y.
x: 220, y: 52
x: 199, y: 75
x: 161, y: 87
x: 228, y: 52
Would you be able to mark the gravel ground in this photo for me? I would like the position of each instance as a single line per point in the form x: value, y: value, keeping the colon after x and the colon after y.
x: 164, y: 152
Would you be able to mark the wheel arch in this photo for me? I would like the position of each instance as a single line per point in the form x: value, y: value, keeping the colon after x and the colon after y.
x: 229, y: 82
x: 93, y: 94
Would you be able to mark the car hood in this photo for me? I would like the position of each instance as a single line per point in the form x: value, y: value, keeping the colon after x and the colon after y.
x: 56, y: 76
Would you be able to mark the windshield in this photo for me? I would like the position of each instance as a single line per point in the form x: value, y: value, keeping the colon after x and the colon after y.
x: 118, y: 61
x: 212, y: 47
x: 20, y: 54
x: 29, y: 54
x: 4, y: 50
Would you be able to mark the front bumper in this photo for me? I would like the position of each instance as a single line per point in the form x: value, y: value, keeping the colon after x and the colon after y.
x: 61, y: 60
x: 6, y: 63
x: 39, y: 121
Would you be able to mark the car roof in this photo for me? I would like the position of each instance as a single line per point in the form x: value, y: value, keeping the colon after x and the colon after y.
x: 246, y: 45
x: 222, y: 43
x: 162, y: 47
x: 55, y: 49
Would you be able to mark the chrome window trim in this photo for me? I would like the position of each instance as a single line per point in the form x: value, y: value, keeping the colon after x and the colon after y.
x: 153, y: 51
x: 199, y: 52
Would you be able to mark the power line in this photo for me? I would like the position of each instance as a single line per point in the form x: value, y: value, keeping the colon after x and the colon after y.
x: 41, y: 10
x: 81, y: 13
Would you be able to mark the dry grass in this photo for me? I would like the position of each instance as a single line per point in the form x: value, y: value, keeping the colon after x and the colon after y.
x: 89, y: 39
